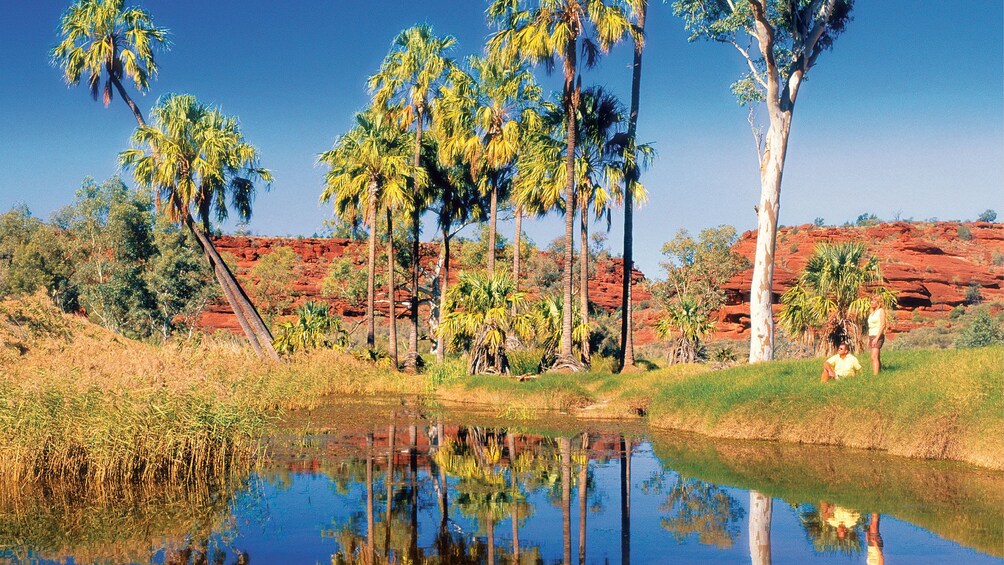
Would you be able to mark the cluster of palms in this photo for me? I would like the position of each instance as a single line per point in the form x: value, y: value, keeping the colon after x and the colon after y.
x: 492, y: 138
x: 462, y: 139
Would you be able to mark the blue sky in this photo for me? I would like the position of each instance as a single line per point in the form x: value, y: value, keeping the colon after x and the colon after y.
x: 905, y: 116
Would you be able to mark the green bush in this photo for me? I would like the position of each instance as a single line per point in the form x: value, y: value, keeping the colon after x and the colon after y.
x: 525, y: 361
x: 451, y: 370
x: 983, y: 331
x: 997, y: 259
x: 964, y: 233
x: 974, y: 294
x: 987, y: 215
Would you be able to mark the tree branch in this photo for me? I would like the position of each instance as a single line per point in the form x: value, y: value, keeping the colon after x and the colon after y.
x: 749, y: 61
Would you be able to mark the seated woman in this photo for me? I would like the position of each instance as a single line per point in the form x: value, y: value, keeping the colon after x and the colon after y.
x: 841, y: 365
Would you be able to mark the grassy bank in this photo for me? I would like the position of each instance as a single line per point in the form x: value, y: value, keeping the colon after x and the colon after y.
x: 79, y: 402
x: 927, y: 404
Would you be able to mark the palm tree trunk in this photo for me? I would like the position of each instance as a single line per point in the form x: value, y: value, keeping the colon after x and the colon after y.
x: 631, y: 176
x: 392, y: 308
x: 411, y: 360
x: 247, y: 316
x: 761, y: 286
x: 566, y: 359
x: 564, y: 447
x: 517, y: 247
x: 371, y: 270
x: 583, y: 480
x: 584, y: 276
x: 759, y: 528
x: 444, y: 279
x: 492, y: 224
x: 125, y: 97
x: 491, y: 541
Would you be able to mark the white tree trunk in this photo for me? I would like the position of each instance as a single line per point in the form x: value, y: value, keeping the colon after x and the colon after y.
x: 761, y: 288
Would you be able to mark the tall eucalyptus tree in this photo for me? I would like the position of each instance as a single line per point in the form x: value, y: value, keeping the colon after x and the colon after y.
x: 196, y: 159
x: 411, y: 73
x: 540, y: 31
x: 487, y: 113
x: 105, y: 39
x: 368, y: 171
x: 790, y: 36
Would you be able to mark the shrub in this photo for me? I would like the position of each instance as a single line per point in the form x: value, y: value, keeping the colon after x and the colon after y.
x: 964, y: 233
x: 988, y: 215
x: 525, y: 361
x: 451, y: 370
x: 924, y: 338
x: 957, y: 312
x: 819, y: 222
x: 997, y: 259
x: 983, y: 331
x: 974, y: 294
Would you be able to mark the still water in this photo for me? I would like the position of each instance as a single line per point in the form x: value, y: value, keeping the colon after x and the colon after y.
x: 393, y: 484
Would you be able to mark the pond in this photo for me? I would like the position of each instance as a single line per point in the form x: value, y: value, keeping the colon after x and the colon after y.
x: 405, y: 484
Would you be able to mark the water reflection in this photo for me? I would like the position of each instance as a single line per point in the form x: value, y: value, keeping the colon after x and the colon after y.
x: 411, y: 488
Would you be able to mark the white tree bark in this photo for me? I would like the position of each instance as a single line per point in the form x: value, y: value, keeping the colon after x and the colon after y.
x: 759, y: 528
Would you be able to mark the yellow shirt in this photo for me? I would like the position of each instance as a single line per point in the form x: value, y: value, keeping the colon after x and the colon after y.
x: 875, y: 322
x: 846, y: 367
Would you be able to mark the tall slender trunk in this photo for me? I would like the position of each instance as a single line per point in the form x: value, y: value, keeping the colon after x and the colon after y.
x: 583, y: 481
x: 392, y: 304
x: 565, y: 448
x: 247, y: 316
x: 761, y: 286
x: 566, y: 358
x: 517, y: 246
x: 370, y: 542
x: 371, y: 269
x: 413, y: 495
x: 493, y: 210
x: 511, y: 438
x: 444, y: 279
x: 759, y: 528
x: 631, y: 176
x: 411, y: 360
x: 127, y: 99
x: 625, y: 500
x: 584, y: 275
x: 491, y: 541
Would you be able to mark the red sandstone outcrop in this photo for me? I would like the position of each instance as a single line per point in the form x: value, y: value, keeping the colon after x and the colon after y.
x: 928, y: 264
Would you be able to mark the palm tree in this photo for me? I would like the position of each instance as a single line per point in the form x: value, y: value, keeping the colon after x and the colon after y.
x: 411, y: 72
x: 639, y: 8
x: 688, y: 321
x: 367, y: 172
x: 459, y: 204
x: 486, y: 114
x: 195, y: 159
x: 485, y: 310
x: 558, y: 29
x: 829, y: 304
x: 105, y: 39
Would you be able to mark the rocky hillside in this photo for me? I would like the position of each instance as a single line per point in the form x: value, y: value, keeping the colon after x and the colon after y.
x: 930, y: 265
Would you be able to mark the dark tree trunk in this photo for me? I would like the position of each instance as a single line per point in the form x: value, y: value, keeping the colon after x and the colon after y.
x: 371, y: 271
x: 392, y: 304
x: 584, y: 276
x: 127, y: 100
x: 515, y: 508
x: 390, y: 489
x: 411, y: 360
x: 517, y: 246
x: 583, y: 480
x: 492, y: 225
x: 370, y: 542
x: 247, y: 316
x: 444, y: 279
x: 565, y: 448
x: 631, y: 176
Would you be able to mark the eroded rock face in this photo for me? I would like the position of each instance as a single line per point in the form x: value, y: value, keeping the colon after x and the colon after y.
x: 317, y: 254
x: 928, y: 264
